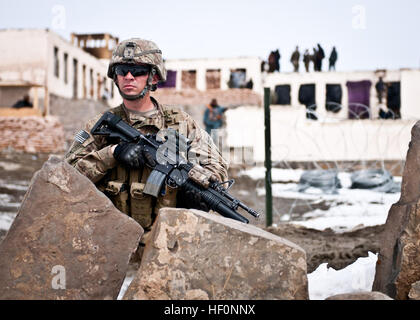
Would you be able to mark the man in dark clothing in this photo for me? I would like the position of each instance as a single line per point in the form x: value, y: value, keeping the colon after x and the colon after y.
x: 380, y: 89
x: 277, y: 60
x: 213, y: 117
x: 307, y: 59
x: 320, y: 55
x: 24, y: 103
x: 315, y: 59
x: 295, y: 59
x: 333, y: 59
x: 274, y: 61
x: 249, y: 84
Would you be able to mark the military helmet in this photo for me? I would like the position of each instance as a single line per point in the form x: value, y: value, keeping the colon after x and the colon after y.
x: 138, y: 51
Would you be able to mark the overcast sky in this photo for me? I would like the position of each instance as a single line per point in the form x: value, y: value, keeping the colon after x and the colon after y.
x: 368, y: 34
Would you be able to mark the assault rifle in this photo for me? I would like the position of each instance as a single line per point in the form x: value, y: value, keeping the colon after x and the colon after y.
x: 171, y: 166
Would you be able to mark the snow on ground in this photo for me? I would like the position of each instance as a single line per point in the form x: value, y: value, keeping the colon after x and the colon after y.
x: 349, y: 208
x: 277, y: 175
x: 6, y: 220
x: 17, y: 185
x: 325, y: 282
x: 125, y: 285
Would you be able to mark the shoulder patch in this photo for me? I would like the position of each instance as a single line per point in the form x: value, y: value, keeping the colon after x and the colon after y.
x: 81, y: 136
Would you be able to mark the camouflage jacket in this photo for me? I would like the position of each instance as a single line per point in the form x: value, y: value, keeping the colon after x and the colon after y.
x: 94, y: 159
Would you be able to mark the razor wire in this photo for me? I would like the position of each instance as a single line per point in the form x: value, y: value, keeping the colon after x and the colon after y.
x: 373, y: 174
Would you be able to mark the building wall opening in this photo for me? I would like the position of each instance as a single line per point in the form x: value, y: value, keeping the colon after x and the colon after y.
x: 307, y: 98
x: 189, y: 79
x: 282, y: 94
x: 213, y: 79
x: 75, y: 83
x: 394, y: 99
x: 84, y: 81
x: 359, y: 99
x: 66, y: 58
x: 56, y: 63
x: 91, y: 84
x: 170, y: 80
x: 333, y: 99
x: 237, y: 78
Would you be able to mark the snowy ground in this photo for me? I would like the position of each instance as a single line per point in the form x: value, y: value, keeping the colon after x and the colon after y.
x: 325, y: 282
x: 348, y: 209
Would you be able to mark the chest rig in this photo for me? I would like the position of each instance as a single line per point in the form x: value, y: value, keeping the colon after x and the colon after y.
x: 125, y: 187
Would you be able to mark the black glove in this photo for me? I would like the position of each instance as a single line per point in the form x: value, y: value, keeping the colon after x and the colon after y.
x: 129, y: 155
x: 191, y: 200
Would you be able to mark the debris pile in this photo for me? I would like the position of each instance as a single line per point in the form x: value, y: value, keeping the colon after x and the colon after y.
x: 31, y: 134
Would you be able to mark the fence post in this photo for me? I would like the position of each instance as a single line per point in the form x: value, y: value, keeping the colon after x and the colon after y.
x: 268, y: 193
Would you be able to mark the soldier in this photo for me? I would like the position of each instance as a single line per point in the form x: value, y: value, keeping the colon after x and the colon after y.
x: 381, y: 88
x: 307, y: 58
x: 320, y: 55
x: 295, y: 59
x: 121, y: 170
x: 333, y: 59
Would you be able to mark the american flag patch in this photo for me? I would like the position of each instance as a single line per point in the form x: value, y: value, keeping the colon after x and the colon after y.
x: 81, y: 136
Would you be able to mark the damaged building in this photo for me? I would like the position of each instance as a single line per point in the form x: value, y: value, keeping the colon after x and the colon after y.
x: 41, y: 63
x: 318, y: 111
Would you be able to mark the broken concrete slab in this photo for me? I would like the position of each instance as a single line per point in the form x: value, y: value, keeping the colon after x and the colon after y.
x: 360, y: 296
x: 398, y: 266
x: 197, y: 255
x: 68, y: 241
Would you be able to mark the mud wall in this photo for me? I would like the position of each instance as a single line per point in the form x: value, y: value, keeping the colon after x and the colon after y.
x: 32, y: 134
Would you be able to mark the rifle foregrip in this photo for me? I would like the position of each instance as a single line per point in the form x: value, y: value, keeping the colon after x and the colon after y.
x: 214, y: 203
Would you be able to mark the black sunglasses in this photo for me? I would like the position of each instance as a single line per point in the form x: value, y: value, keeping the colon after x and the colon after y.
x: 135, y: 70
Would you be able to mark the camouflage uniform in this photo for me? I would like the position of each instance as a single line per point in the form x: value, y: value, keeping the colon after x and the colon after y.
x: 124, y: 187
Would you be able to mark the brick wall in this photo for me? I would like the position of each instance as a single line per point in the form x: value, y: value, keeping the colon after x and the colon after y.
x: 32, y: 134
x: 193, y: 97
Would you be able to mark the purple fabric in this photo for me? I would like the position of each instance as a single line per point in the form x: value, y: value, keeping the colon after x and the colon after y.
x: 170, y: 80
x: 359, y: 97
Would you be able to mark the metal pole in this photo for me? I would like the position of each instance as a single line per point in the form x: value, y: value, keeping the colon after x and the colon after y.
x: 268, y: 193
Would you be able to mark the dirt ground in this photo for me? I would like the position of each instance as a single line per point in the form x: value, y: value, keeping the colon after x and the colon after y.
x: 338, y: 250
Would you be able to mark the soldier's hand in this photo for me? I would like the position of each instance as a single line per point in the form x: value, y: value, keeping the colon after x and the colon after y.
x: 129, y: 155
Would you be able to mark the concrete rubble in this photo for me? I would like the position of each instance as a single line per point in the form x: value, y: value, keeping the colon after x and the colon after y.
x: 32, y: 134
x: 398, y: 265
x: 197, y: 255
x: 68, y: 241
